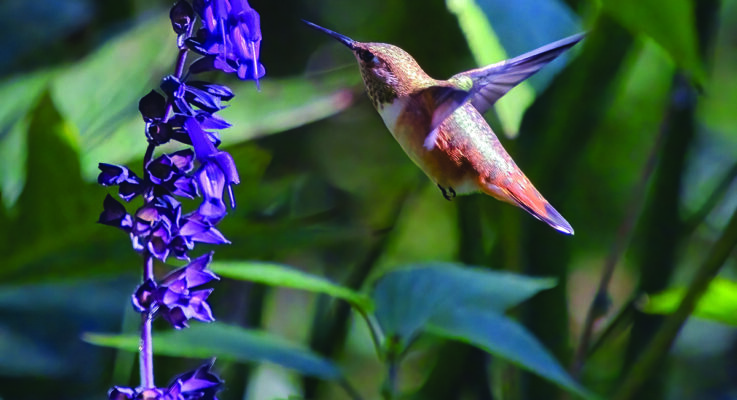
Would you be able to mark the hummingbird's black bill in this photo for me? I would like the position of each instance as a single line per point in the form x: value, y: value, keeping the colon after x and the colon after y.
x: 335, y: 35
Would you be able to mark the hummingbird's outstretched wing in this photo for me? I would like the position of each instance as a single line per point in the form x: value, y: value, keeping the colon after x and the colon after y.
x: 493, y: 81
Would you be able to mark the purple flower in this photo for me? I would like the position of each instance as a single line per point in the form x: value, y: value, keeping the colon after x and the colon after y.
x: 129, y: 185
x: 114, y: 214
x: 181, y: 16
x: 205, y: 96
x: 200, y: 384
x: 217, y: 172
x: 169, y: 173
x: 160, y: 227
x: 173, y: 299
x: 230, y: 38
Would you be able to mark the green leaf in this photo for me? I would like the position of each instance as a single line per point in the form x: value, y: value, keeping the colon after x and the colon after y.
x: 25, y: 91
x: 96, y: 92
x: 228, y: 343
x: 719, y: 302
x: 52, y: 167
x: 504, y: 338
x: 672, y: 25
x: 285, y: 276
x: 407, y: 299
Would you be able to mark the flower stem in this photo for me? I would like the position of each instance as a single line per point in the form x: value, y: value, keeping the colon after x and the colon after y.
x: 178, y: 72
x: 146, y: 353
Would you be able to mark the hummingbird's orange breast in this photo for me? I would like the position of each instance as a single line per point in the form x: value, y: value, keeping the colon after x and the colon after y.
x: 467, y: 156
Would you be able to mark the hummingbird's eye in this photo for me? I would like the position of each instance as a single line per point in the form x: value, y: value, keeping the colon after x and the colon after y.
x: 367, y: 57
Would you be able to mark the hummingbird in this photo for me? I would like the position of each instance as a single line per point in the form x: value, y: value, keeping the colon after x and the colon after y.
x: 439, y: 123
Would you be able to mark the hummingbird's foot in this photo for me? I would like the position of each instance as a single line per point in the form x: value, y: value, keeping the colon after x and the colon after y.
x: 449, y: 194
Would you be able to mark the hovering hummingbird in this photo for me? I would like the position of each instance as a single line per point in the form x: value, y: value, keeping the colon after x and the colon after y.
x: 439, y: 125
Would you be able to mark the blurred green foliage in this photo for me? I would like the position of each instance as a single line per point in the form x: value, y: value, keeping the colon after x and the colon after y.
x: 632, y: 137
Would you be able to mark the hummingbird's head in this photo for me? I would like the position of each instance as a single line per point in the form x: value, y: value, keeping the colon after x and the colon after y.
x: 387, y: 71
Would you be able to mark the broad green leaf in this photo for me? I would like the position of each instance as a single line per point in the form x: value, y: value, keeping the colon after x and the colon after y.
x: 719, y: 302
x: 406, y: 299
x: 228, y: 343
x: 100, y: 91
x: 671, y: 24
x: 48, y: 218
x: 60, y: 296
x: 504, y: 338
x: 52, y: 169
x: 285, y: 276
x: 282, y: 104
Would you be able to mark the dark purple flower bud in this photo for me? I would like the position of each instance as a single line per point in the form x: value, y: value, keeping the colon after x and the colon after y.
x: 121, y: 393
x: 143, y: 298
x: 152, y: 106
x: 180, y: 245
x: 202, y: 64
x: 181, y: 15
x: 130, y: 185
x: 169, y: 173
x: 158, y: 242
x: 114, y: 214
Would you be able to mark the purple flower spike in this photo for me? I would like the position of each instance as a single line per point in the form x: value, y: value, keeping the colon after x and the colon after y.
x: 228, y: 39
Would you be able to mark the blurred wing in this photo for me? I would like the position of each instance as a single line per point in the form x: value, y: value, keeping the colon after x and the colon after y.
x: 493, y: 81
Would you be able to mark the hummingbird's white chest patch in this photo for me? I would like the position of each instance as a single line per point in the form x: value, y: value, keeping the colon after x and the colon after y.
x: 390, y: 113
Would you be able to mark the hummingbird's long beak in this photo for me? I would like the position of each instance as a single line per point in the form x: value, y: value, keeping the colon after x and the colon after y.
x: 335, y: 35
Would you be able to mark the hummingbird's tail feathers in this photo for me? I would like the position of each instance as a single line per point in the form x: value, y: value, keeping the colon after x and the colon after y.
x: 542, y: 210
x: 441, y: 101
x: 492, y: 82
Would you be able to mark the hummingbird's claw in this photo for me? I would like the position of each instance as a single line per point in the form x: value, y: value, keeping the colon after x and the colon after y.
x: 449, y: 194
